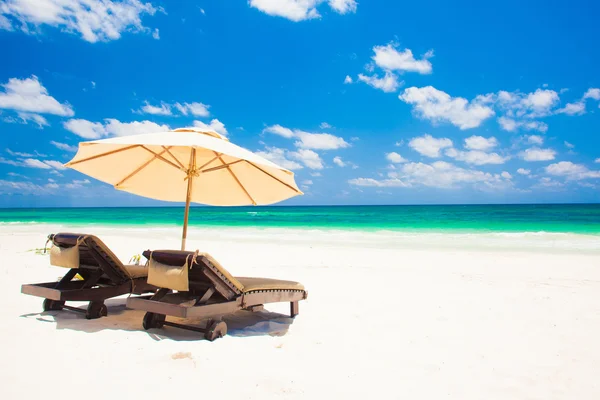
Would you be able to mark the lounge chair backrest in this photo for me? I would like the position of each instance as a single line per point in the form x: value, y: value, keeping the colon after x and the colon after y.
x: 93, y: 253
x: 204, y: 271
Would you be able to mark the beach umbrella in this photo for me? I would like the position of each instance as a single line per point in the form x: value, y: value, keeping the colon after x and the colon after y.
x: 187, y: 164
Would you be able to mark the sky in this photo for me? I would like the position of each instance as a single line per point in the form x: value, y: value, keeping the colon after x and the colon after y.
x: 368, y: 102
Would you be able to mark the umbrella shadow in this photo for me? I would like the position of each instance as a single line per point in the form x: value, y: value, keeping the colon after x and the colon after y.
x: 240, y: 324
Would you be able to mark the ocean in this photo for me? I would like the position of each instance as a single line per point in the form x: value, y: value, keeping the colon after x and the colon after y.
x: 563, y: 218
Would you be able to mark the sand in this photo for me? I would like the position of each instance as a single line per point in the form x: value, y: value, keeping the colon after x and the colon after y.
x: 389, y: 316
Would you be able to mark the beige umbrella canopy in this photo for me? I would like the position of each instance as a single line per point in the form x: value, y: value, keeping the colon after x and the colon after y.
x: 187, y: 164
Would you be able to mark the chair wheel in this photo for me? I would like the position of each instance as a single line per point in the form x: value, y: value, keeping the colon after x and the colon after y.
x: 215, y: 330
x: 53, y: 305
x: 152, y: 320
x: 96, y: 309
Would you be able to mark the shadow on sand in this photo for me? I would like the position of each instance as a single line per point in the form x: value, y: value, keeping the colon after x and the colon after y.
x: 240, y: 324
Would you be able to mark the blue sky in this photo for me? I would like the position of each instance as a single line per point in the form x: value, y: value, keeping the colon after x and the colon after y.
x: 369, y: 102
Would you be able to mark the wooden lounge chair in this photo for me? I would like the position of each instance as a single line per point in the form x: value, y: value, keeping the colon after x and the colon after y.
x: 205, y: 290
x: 95, y: 274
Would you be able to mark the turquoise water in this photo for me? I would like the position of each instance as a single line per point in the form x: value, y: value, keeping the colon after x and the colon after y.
x: 573, y: 218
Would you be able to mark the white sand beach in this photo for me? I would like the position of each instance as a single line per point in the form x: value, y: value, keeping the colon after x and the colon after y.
x: 388, y: 316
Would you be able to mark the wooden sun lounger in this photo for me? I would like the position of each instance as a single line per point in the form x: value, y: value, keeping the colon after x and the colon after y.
x: 213, y: 292
x: 99, y: 276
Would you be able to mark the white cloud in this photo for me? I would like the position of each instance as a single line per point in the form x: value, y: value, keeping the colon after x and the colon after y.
x: 214, y: 125
x: 319, y: 141
x: 530, y: 105
x: 18, y: 153
x: 55, y: 164
x: 156, y: 34
x: 85, y: 129
x: 325, y: 125
x: 571, y: 171
x: 111, y: 127
x: 63, y: 146
x: 546, y: 182
x: 537, y: 154
x: 523, y: 171
x: 592, y: 93
x: 577, y: 108
x: 35, y: 163
x: 390, y: 59
x: 597, y: 160
x: 511, y: 125
x: 343, y: 6
x: 389, y: 83
x: 162, y: 109
x: 25, y: 118
x: 280, y: 130
x: 315, y: 174
x: 569, y: 145
x: 196, y: 109
x: 308, y: 157
x: 395, y: 158
x: 278, y: 156
x: 429, y: 146
x: 307, y: 182
x: 369, y: 182
x: 348, y: 80
x: 300, y: 10
x: 437, y: 106
x: 29, y: 96
x: 94, y: 20
x: 535, y: 139
x: 506, y: 175
x: 476, y: 157
x: 480, y: 143
x: 339, y: 162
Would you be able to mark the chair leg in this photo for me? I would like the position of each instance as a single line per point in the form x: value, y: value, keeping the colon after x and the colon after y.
x: 294, y: 308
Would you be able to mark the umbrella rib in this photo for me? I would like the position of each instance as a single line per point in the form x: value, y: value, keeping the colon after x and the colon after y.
x: 173, y: 156
x: 108, y: 153
x: 225, y: 165
x: 164, y: 159
x: 208, y: 163
x: 141, y: 167
x: 274, y: 177
x: 220, y: 166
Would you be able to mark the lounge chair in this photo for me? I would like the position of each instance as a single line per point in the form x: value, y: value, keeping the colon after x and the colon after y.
x: 205, y: 290
x: 95, y: 274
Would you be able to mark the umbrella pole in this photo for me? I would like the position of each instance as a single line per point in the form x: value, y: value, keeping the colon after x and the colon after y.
x: 188, y: 196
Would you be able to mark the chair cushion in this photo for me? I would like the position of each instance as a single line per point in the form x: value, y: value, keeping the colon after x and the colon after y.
x: 254, y: 284
x: 136, y: 271
x: 223, y: 271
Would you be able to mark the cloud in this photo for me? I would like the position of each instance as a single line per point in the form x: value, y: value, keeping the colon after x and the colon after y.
x: 476, y: 157
x: 111, y: 127
x: 569, y: 145
x: 315, y: 174
x: 537, y: 154
x: 571, y: 171
x: 29, y: 96
x: 63, y: 146
x: 307, y: 182
x: 597, y: 160
x: 162, y: 109
x: 195, y: 108
x: 325, y: 125
x: 437, y: 106
x: 395, y: 158
x: 46, y: 164
x: 319, y: 141
x: 429, y: 146
x: 348, y: 80
x: 439, y: 174
x: 214, y: 125
x: 523, y: 171
x: 18, y: 154
x: 535, y: 139
x: 300, y: 10
x: 389, y: 83
x: 308, y: 157
x: 546, y: 182
x: 343, y: 6
x: 506, y: 175
x: 339, y: 162
x: 577, y: 108
x: 85, y: 129
x: 511, y: 125
x: 369, y: 182
x: 528, y: 105
x: 390, y: 59
x: 592, y: 93
x: 156, y: 34
x: 280, y: 130
x: 94, y: 20
x: 278, y: 156
x: 480, y: 143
